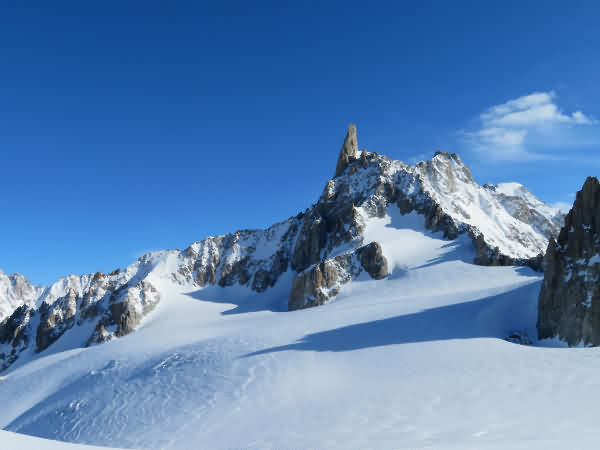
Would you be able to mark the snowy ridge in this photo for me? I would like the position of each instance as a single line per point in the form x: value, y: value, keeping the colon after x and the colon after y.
x: 411, y: 361
x: 514, y: 221
x: 523, y: 205
x: 91, y: 308
x: 415, y: 267
x: 248, y: 257
x: 320, y: 250
x: 518, y: 225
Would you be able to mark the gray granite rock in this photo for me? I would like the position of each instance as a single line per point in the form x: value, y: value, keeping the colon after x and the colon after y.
x: 55, y: 320
x: 16, y: 334
x: 569, y: 301
x: 320, y: 283
x: 372, y: 260
x: 348, y: 152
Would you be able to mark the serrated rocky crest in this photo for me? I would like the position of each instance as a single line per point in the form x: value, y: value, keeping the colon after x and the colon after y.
x: 322, y: 249
x: 569, y: 302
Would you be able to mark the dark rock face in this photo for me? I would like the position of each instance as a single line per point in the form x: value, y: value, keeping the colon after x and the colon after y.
x: 316, y: 286
x: 112, y: 305
x: 13, y: 330
x: 373, y: 261
x: 264, y: 279
x: 569, y: 302
x: 125, y: 311
x: 322, y: 282
x: 348, y: 151
x: 15, y: 335
x: 312, y: 238
x: 56, y: 320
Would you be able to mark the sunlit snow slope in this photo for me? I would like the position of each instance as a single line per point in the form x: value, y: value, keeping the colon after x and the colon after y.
x: 417, y: 360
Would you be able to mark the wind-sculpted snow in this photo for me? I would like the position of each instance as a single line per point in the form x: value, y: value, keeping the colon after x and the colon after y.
x: 310, y: 256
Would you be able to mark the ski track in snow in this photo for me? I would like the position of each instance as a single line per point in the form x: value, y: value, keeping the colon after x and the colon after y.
x: 414, y: 361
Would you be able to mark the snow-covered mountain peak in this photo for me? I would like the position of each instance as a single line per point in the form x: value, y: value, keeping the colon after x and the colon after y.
x: 517, y: 190
x: 15, y: 290
x: 308, y: 257
x: 443, y: 173
x: 512, y: 189
x: 450, y: 166
x: 512, y: 224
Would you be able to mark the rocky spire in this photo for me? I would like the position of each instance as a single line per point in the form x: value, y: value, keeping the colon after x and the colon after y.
x: 349, y: 150
x: 569, y: 302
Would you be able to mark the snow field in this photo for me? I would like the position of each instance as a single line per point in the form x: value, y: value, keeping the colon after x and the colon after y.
x: 417, y: 360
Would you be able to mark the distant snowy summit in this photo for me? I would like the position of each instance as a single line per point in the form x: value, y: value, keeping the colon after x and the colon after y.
x: 16, y: 290
x: 309, y: 256
x: 569, y: 303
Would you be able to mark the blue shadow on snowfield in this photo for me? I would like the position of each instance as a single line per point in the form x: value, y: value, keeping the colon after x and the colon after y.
x: 494, y: 316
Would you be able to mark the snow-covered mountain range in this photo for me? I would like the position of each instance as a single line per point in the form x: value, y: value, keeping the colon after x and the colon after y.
x: 315, y: 252
x: 424, y: 279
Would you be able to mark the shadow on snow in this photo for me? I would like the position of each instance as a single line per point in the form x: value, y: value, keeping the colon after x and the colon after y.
x: 491, y: 317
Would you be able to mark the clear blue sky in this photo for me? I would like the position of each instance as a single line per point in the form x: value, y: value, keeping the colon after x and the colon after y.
x: 132, y: 126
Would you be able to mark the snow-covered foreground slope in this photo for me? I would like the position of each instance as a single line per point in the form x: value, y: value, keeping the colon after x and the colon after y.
x: 22, y: 442
x: 417, y: 360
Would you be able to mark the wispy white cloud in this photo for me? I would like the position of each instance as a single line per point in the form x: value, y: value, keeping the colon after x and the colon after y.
x: 529, y: 128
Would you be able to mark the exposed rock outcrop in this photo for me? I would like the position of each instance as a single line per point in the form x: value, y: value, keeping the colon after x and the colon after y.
x: 372, y: 260
x: 316, y: 285
x: 103, y: 306
x: 322, y: 248
x: 569, y: 302
x: 55, y: 320
x: 15, y: 335
x: 348, y: 152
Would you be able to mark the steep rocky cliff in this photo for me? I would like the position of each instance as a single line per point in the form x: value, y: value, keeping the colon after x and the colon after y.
x: 569, y: 302
x: 348, y: 151
x: 100, y: 307
x: 320, y: 249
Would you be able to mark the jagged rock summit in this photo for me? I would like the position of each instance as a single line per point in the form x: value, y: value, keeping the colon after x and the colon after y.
x: 309, y: 257
x: 569, y: 302
x: 349, y: 150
